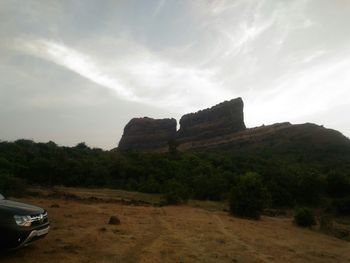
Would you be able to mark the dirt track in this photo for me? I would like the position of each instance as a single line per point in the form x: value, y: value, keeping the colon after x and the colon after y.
x: 80, y: 233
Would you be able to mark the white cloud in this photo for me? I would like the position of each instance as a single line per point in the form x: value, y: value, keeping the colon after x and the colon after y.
x: 310, y: 91
x: 159, y: 7
x: 73, y: 60
x: 314, y: 55
x: 144, y: 77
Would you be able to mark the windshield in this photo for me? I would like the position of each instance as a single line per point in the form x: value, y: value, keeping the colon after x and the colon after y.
x: 2, y: 197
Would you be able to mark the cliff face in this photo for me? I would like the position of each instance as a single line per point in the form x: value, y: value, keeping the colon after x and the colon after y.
x: 222, y: 119
x: 222, y: 127
x: 147, y: 134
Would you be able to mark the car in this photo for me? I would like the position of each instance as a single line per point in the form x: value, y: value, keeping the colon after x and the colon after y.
x: 21, y: 224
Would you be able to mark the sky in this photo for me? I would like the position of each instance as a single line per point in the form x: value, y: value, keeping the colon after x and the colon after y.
x: 78, y: 71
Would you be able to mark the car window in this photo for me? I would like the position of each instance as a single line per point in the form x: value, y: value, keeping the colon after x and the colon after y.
x: 2, y: 197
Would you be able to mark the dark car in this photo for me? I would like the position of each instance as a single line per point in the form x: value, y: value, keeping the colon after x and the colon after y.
x: 21, y: 224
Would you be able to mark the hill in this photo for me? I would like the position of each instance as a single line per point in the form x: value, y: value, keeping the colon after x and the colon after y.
x: 222, y: 127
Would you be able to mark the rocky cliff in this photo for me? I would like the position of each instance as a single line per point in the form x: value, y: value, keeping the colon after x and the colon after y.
x: 222, y: 119
x: 222, y: 127
x: 154, y: 134
x: 147, y: 134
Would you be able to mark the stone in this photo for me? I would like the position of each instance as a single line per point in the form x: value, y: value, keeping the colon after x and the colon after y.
x: 114, y: 221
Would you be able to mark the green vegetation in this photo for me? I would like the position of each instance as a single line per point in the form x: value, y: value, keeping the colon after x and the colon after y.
x: 304, y: 217
x: 248, y: 197
x: 250, y: 179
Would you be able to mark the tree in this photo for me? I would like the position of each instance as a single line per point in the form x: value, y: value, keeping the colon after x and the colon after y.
x: 310, y: 187
x: 248, y: 197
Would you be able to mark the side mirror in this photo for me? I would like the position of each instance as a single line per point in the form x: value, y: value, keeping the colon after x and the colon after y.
x: 2, y: 197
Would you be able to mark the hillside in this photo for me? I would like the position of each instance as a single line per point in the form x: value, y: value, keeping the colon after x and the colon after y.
x: 278, y: 138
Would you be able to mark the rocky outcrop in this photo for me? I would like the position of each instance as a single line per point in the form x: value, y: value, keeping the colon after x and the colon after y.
x: 147, y: 134
x: 222, y: 127
x: 219, y: 120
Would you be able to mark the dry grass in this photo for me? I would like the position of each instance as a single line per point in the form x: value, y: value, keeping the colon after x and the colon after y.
x: 80, y: 233
x: 100, y: 193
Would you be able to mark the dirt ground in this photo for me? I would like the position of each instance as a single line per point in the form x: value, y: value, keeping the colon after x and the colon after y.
x: 80, y: 233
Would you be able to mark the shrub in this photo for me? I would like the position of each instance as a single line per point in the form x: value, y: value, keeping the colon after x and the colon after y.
x: 304, y: 217
x: 171, y: 198
x: 248, y: 197
x: 280, y: 196
x: 310, y: 188
x: 209, y: 187
x: 175, y: 193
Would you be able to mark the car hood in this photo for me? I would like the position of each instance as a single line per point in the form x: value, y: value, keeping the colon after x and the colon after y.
x: 20, y: 208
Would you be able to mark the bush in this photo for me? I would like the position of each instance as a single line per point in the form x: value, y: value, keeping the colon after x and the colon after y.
x: 280, y: 196
x: 171, y: 198
x: 310, y: 188
x: 11, y: 186
x: 175, y: 193
x: 209, y: 187
x: 248, y: 197
x: 304, y: 217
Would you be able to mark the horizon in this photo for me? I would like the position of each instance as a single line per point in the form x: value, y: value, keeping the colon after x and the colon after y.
x: 177, y: 129
x: 79, y: 71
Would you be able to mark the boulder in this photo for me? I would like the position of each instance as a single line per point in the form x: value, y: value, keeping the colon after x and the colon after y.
x: 55, y: 206
x: 114, y: 221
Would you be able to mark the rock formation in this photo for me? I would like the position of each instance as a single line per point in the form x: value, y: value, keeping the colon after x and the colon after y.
x: 222, y: 127
x: 222, y: 119
x: 147, y: 134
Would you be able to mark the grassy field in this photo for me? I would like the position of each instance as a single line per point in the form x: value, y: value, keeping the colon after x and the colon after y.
x: 186, y: 233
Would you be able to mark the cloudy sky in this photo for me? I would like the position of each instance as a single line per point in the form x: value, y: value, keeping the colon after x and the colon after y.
x: 73, y: 71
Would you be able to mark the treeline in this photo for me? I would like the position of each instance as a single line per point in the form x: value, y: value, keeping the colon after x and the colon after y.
x: 284, y: 180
